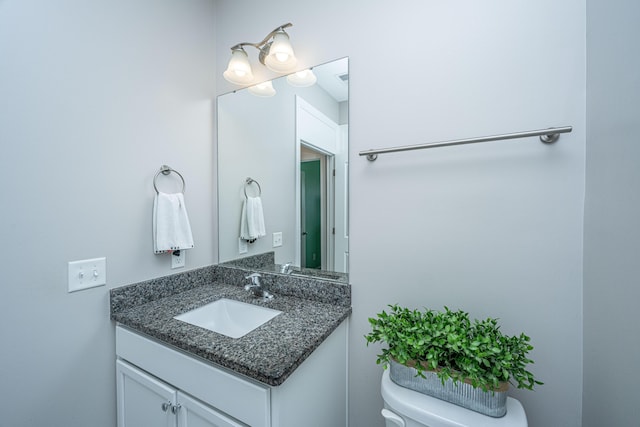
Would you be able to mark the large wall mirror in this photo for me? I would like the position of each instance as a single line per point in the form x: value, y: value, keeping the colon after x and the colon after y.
x: 290, y: 150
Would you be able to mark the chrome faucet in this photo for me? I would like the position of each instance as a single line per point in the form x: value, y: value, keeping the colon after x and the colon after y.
x: 256, y: 286
x: 286, y: 268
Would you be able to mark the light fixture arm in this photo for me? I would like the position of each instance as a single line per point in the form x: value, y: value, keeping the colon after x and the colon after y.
x: 263, y: 46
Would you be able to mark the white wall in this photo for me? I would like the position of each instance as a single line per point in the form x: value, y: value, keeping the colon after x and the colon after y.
x: 94, y: 97
x: 495, y: 229
x: 612, y: 209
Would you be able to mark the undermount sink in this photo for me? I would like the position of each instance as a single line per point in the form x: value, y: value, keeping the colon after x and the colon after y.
x: 229, y: 317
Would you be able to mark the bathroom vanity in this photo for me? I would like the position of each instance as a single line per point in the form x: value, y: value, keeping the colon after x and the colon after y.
x: 290, y: 371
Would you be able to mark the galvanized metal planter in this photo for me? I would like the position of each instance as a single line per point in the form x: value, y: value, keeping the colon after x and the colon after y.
x: 491, y: 403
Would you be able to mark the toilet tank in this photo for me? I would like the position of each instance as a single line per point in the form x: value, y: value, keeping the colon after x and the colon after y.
x: 407, y: 408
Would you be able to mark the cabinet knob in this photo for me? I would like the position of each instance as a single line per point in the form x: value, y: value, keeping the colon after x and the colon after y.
x: 166, y: 406
x: 175, y: 408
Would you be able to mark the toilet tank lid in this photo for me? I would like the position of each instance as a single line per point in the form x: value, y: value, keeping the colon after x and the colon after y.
x: 438, y: 413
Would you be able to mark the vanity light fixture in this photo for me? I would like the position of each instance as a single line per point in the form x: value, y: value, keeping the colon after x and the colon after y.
x: 276, y: 54
x: 302, y: 78
x: 264, y: 89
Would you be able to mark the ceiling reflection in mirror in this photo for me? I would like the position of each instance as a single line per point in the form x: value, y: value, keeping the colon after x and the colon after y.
x: 283, y: 174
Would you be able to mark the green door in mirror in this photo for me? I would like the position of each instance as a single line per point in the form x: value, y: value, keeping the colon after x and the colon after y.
x: 311, y: 213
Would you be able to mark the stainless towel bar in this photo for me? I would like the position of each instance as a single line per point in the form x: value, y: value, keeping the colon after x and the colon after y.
x: 547, y: 136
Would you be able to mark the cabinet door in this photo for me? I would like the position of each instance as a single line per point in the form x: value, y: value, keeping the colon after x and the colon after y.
x: 193, y: 413
x: 143, y: 401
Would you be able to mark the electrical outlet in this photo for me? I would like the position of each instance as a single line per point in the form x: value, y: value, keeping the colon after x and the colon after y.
x: 243, y: 247
x: 87, y: 273
x: 277, y: 239
x: 178, y: 261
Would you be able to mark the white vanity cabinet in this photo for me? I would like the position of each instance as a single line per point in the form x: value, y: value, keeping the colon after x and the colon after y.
x: 153, y: 377
x: 143, y: 400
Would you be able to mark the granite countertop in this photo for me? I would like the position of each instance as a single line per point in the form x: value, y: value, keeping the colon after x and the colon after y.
x: 269, y: 353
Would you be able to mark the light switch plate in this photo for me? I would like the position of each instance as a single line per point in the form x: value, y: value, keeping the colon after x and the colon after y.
x: 277, y: 239
x: 87, y: 273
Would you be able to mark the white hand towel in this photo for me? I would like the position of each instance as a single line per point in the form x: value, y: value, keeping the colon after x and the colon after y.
x: 252, y: 221
x: 171, y: 229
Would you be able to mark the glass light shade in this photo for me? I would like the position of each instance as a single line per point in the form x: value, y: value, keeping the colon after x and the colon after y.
x: 264, y: 90
x: 239, y: 70
x: 302, y: 78
x: 280, y: 58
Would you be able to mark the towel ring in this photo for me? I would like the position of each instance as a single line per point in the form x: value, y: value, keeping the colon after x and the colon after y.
x: 166, y: 170
x: 250, y: 181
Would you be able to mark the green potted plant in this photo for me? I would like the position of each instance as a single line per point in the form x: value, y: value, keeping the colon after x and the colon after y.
x: 446, y: 355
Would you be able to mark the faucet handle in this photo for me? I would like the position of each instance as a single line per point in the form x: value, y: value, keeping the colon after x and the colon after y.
x: 255, y: 278
x: 286, y: 267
